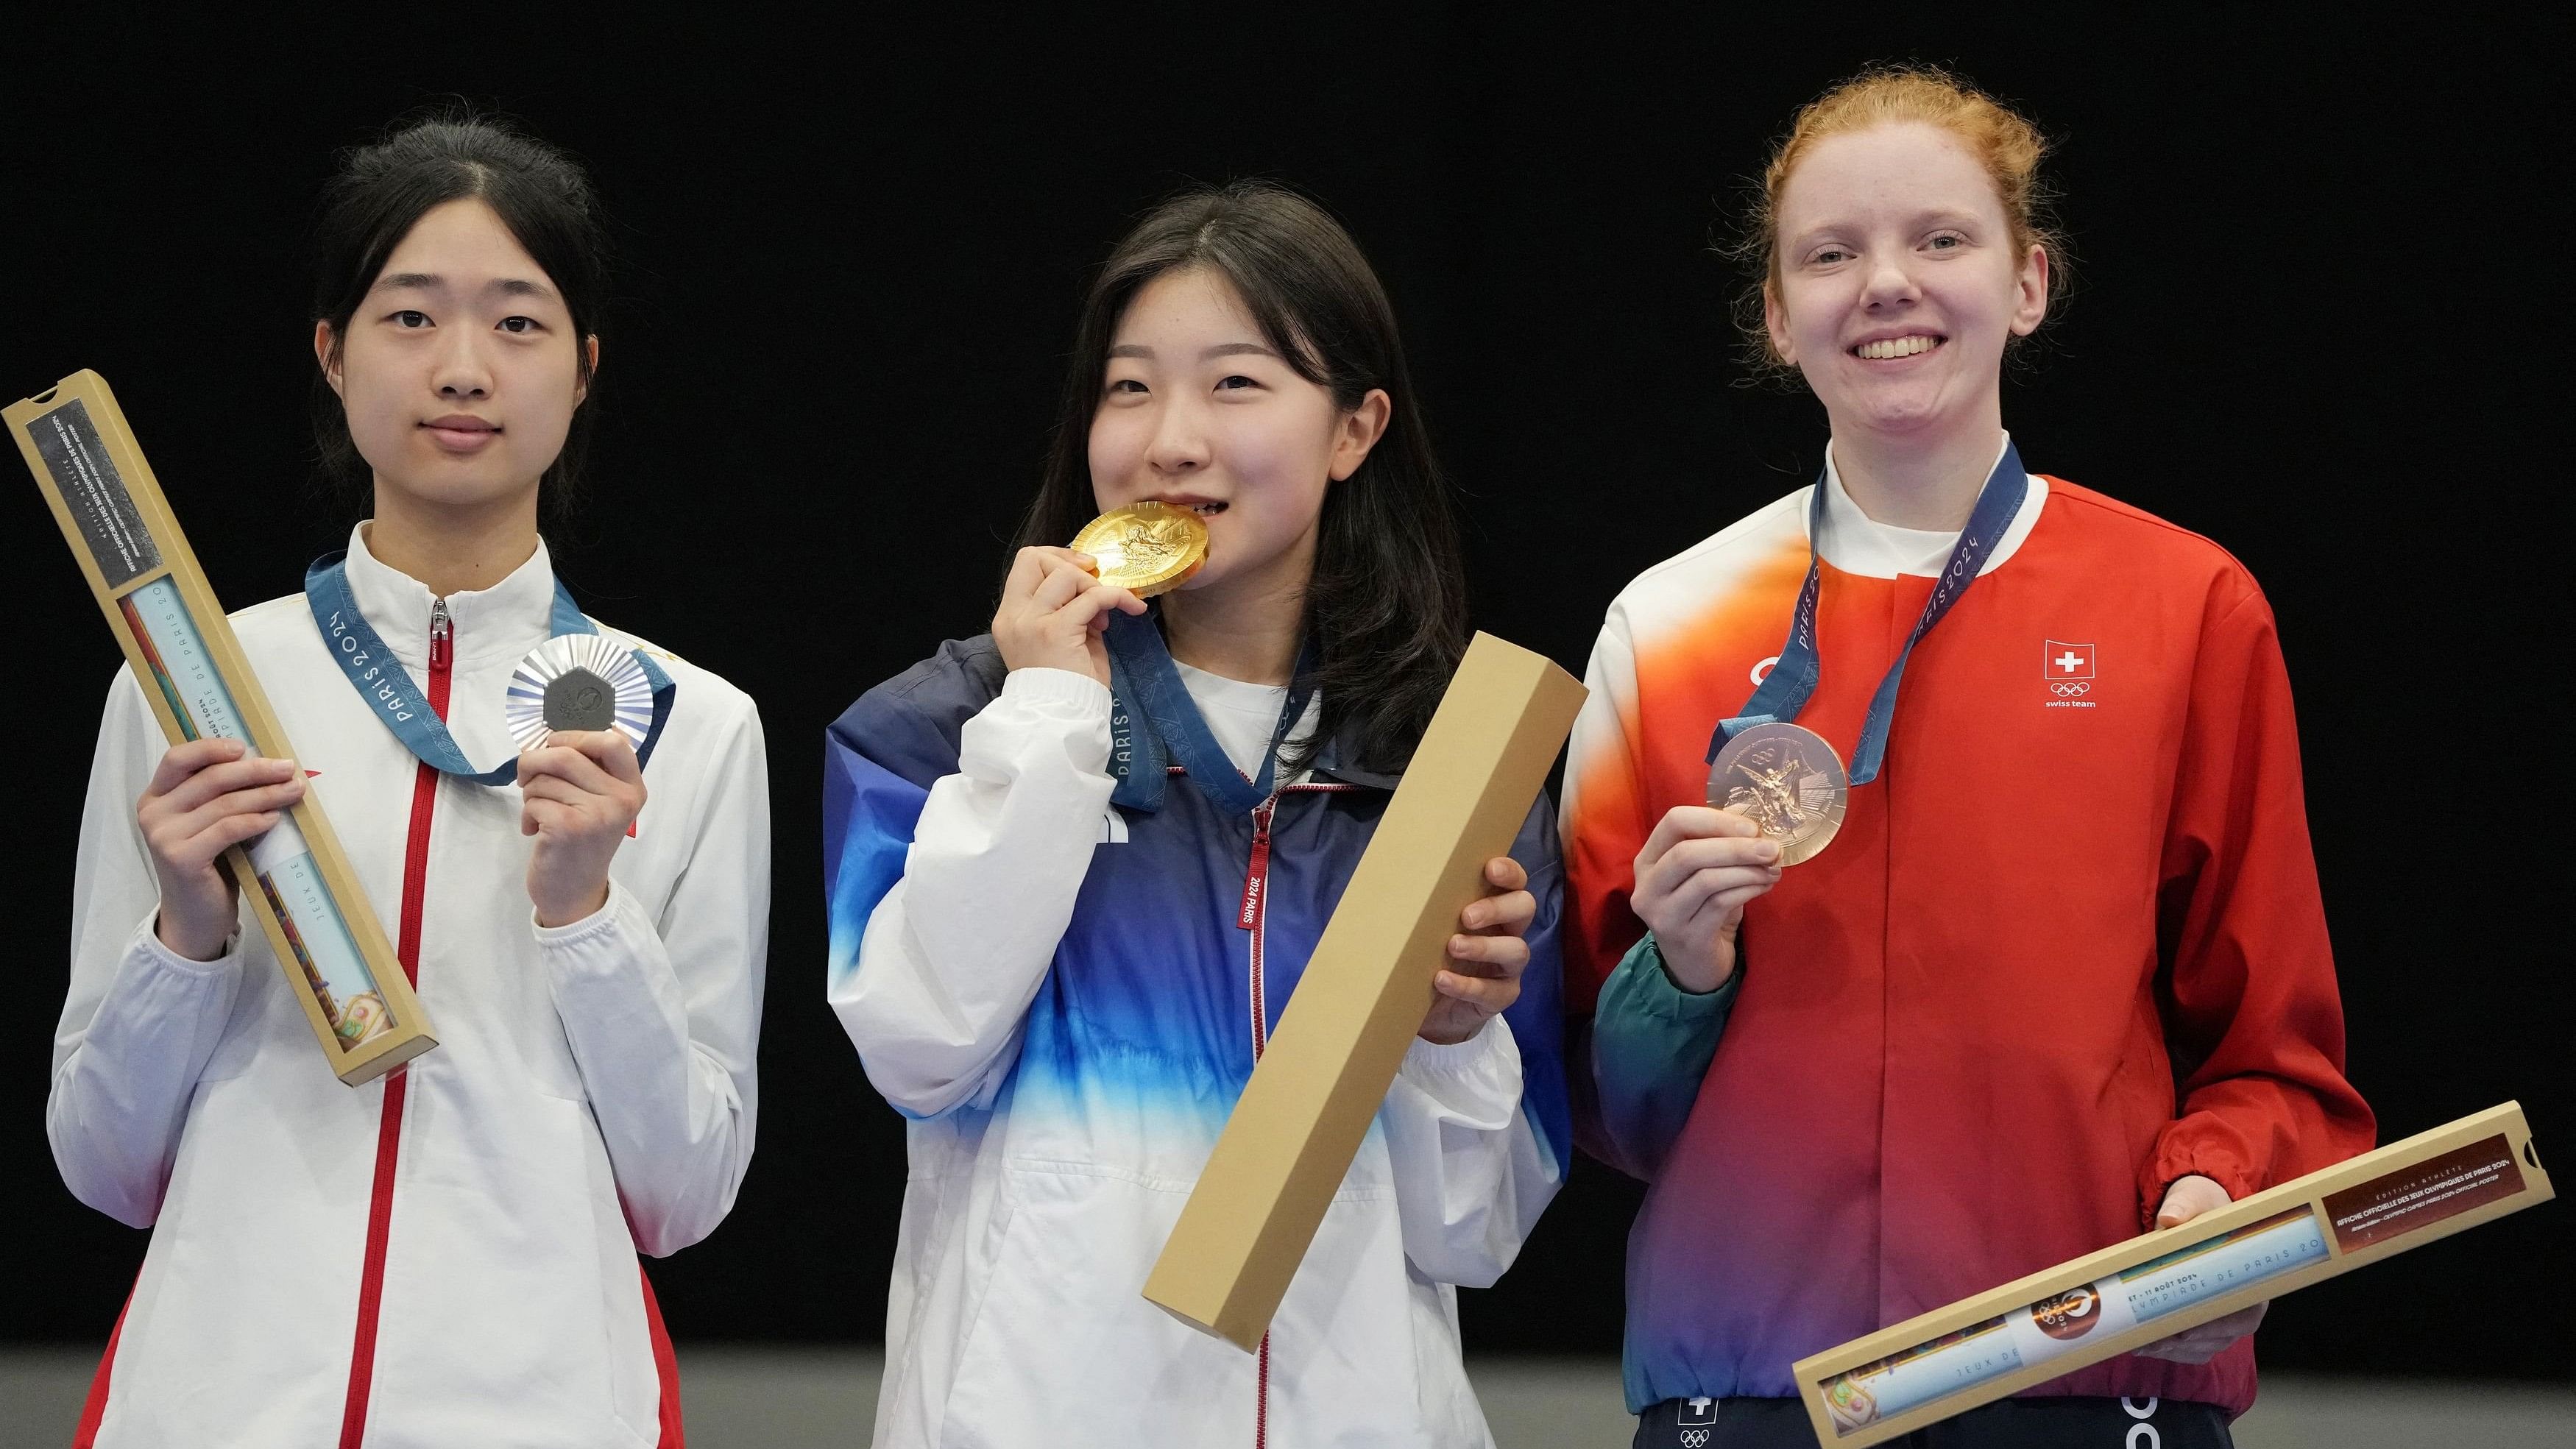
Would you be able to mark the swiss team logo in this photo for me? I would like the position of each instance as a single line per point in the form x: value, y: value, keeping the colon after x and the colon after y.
x: 2068, y: 668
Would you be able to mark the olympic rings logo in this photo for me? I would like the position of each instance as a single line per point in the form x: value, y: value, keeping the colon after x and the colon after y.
x: 2067, y: 690
x: 1694, y: 1438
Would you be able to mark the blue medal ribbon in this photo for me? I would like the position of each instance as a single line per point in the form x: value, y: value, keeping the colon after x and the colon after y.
x: 1154, y: 722
x: 1786, y: 689
x: 381, y: 680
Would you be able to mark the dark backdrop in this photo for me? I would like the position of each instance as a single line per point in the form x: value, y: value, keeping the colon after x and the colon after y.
x: 2317, y: 321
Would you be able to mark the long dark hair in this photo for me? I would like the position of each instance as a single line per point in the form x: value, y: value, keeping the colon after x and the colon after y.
x: 381, y: 191
x: 1386, y: 608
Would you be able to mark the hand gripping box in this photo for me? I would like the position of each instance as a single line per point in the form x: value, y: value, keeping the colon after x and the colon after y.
x: 183, y: 652
x: 1981, y: 1349
x: 1248, y: 1222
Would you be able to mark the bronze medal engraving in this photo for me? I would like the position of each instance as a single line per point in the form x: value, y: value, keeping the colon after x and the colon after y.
x: 1145, y: 548
x: 1786, y: 780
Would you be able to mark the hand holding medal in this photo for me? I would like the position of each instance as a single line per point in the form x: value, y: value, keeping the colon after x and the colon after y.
x: 578, y: 707
x: 1057, y: 601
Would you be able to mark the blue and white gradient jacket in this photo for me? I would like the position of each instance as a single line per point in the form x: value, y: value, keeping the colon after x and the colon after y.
x: 1058, y: 987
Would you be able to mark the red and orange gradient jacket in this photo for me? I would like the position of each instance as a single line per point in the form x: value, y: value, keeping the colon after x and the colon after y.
x: 2067, y: 948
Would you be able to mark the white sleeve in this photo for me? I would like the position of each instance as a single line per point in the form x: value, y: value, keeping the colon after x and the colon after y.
x: 663, y: 1014
x: 1470, y: 1174
x: 955, y: 952
x: 139, y: 1022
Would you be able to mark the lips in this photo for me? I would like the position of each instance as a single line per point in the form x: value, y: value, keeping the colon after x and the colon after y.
x: 462, y: 432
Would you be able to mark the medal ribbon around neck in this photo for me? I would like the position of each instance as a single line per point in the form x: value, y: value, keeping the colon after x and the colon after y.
x: 381, y: 680
x: 1144, y: 679
x: 1786, y: 689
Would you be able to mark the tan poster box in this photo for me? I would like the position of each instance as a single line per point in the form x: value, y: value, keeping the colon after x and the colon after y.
x: 1300, y: 1120
x: 1981, y: 1349
x: 184, y: 654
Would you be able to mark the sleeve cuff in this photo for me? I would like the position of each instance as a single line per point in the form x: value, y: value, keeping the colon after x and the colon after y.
x: 1453, y: 1057
x: 1042, y: 685
x: 148, y: 942
x: 572, y: 932
x: 1660, y: 995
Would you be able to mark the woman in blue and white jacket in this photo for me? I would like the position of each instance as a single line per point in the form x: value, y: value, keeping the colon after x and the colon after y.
x: 1077, y: 866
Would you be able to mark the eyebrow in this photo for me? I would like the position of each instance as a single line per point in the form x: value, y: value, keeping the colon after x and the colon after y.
x: 431, y: 282
x: 1222, y: 349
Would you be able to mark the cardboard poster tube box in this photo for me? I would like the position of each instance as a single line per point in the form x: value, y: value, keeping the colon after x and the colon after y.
x: 182, y: 650
x: 2125, y: 1297
x: 1292, y: 1135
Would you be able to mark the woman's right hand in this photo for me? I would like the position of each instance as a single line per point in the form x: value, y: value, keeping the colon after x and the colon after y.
x: 1053, y: 611
x: 1695, y: 876
x: 207, y: 796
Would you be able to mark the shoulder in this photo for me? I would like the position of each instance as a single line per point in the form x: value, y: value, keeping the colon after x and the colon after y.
x: 923, y: 709
x: 701, y: 690
x: 1763, y: 552
x: 2144, y: 545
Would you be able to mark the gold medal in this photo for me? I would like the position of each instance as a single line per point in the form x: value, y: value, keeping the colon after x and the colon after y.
x: 1786, y: 780
x: 1145, y: 548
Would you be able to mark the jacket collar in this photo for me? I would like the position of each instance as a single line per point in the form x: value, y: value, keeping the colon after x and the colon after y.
x: 507, y: 620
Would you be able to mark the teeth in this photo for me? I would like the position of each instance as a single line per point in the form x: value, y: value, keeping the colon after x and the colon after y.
x: 1896, y: 347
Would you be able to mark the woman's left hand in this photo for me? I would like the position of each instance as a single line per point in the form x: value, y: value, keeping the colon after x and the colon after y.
x: 583, y: 790
x: 1486, y: 958
x: 2188, y: 1198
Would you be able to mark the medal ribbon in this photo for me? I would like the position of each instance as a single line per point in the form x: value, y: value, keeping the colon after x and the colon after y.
x: 1144, y: 680
x: 381, y: 680
x: 1786, y: 689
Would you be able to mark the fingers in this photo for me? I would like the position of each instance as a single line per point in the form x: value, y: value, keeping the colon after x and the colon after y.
x: 1504, y: 873
x: 1031, y: 566
x: 1736, y: 860
x: 605, y: 748
x: 1096, y: 601
x: 1489, y: 956
x: 570, y: 764
x: 536, y: 813
x: 1694, y: 822
x: 192, y: 791
x: 1488, y: 994
x: 185, y: 760
x: 1062, y: 584
x: 1508, y: 914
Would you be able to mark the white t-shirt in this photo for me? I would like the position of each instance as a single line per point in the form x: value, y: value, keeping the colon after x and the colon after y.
x: 1242, y: 716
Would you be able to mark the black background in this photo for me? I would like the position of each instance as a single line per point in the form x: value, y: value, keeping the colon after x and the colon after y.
x: 2318, y: 318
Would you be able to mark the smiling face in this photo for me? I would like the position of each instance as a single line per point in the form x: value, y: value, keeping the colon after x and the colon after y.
x: 460, y: 369
x: 1197, y: 410
x: 1899, y: 281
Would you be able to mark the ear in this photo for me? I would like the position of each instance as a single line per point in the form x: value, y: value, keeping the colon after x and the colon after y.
x: 1775, y: 321
x: 326, y: 354
x: 2033, y: 287
x: 1358, y: 431
x: 590, y: 369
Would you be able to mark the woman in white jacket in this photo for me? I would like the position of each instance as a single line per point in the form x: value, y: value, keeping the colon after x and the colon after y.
x: 1077, y: 867
x: 445, y: 1256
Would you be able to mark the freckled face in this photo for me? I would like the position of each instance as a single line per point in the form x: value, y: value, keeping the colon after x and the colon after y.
x: 1899, y: 283
x: 1197, y: 410
x: 459, y: 369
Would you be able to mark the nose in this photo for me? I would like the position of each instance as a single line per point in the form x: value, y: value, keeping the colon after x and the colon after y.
x: 1891, y: 283
x: 460, y: 372
x: 1180, y: 443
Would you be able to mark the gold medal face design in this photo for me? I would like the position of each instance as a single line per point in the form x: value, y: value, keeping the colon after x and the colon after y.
x: 1786, y: 780
x: 1145, y: 548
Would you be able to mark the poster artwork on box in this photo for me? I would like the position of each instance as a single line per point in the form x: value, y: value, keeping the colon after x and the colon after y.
x: 69, y: 443
x: 2424, y: 1194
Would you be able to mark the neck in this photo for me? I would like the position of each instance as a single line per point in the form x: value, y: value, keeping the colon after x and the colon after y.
x: 453, y: 549
x: 1244, y: 629
x: 1914, y: 481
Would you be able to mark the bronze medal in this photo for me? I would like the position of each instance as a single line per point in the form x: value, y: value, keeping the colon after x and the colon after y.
x: 1786, y: 780
x: 1145, y: 548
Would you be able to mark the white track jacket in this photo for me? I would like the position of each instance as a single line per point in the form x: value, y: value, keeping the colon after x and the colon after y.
x: 447, y: 1256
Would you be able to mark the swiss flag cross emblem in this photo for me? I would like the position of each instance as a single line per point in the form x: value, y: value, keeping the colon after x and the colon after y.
x: 2067, y: 661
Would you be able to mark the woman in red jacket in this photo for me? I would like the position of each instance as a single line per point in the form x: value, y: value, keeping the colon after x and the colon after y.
x: 2062, y: 972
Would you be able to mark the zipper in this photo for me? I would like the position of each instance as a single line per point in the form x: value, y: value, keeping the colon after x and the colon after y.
x: 380, y: 1198
x: 1252, y: 916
